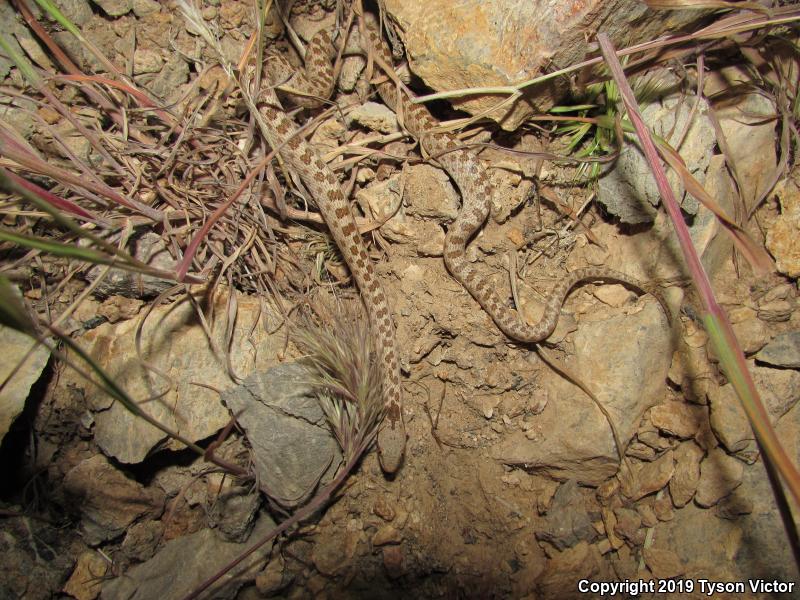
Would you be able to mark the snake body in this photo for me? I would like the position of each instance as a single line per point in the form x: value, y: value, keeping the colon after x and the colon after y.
x: 323, y: 185
x: 476, y: 188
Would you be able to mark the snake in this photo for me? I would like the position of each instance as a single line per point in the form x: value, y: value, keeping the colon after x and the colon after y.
x: 476, y: 188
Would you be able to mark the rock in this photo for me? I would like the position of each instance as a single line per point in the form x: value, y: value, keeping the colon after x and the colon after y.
x: 750, y: 139
x: 752, y: 545
x: 776, y: 311
x: 273, y: 578
x: 334, y: 554
x: 142, y: 539
x: 16, y: 347
x: 647, y: 513
x: 677, y: 418
x: 393, y: 561
x: 375, y: 117
x: 734, y: 506
x: 610, y: 525
x: 149, y: 249
x: 750, y: 331
x: 729, y: 421
x: 629, y: 192
x: 720, y: 474
x: 782, y: 351
x: 184, y: 563
x: 663, y: 564
x: 779, y: 388
x: 381, y: 201
x: 383, y: 508
x: 646, y: 478
x: 77, y: 11
x: 172, y: 340
x: 147, y: 60
x: 87, y: 578
x: 387, y: 535
x: 662, y: 506
x: 683, y: 484
x: 38, y: 556
x: 616, y: 295
x: 108, y: 501
x: 565, y: 568
x: 492, y: 43
x: 649, y: 436
x: 690, y: 369
x: 578, y: 443
x: 143, y: 8
x: 115, y: 8
x: 567, y: 521
x: 118, y: 308
x: 293, y: 447
x: 428, y: 193
x: 782, y: 236
x: 628, y: 525
x: 170, y: 79
x: 234, y: 513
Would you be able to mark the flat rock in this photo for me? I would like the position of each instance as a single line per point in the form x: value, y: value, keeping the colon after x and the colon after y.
x: 293, y: 447
x: 683, y: 484
x: 115, y: 8
x: 334, y: 554
x: 779, y: 388
x: 184, y: 563
x: 663, y: 564
x: 15, y: 347
x: 374, y: 116
x: 567, y: 521
x: 625, y: 360
x: 86, y: 580
x: 720, y: 474
x: 750, y: 138
x: 647, y: 477
x: 729, y: 421
x: 782, y: 236
x: 678, y: 419
x: 108, y: 501
x: 782, y: 351
x: 175, y: 342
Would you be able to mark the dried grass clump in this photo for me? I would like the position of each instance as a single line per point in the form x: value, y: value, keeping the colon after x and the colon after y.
x: 343, y: 366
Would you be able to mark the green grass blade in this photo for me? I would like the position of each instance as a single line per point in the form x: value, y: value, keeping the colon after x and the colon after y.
x: 22, y: 63
x: 56, y: 14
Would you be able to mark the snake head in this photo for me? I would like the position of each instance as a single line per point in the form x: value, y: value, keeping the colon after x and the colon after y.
x: 391, y: 445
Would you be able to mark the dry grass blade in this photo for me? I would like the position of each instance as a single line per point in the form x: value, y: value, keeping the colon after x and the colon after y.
x: 716, y: 322
x: 702, y: 5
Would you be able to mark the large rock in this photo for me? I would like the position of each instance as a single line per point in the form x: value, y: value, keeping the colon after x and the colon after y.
x: 184, y: 563
x: 190, y: 370
x: 625, y: 360
x: 109, y: 501
x: 497, y: 43
x: 293, y: 447
x: 23, y: 354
